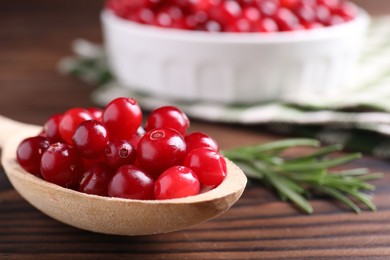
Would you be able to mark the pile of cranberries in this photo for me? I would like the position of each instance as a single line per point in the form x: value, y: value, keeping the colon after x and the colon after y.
x: 107, y: 152
x: 236, y: 15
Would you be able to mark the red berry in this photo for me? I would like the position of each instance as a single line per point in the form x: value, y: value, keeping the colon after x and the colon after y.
x: 209, y: 166
x: 71, y: 120
x: 119, y: 152
x: 289, y: 4
x: 160, y: 149
x: 90, y: 138
x: 225, y: 13
x: 268, y: 8
x: 88, y: 163
x: 252, y: 14
x: 62, y: 165
x: 240, y: 25
x: 51, y: 128
x: 322, y: 14
x: 97, y: 113
x: 29, y: 154
x: 122, y: 117
x: 200, y: 140
x: 96, y: 179
x: 305, y: 13
x: 168, y: 117
x: 347, y: 10
x: 132, y: 183
x: 267, y: 25
x: 176, y: 182
x: 286, y: 20
x: 331, y: 4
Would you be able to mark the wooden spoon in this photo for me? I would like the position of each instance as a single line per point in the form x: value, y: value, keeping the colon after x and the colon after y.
x: 113, y: 215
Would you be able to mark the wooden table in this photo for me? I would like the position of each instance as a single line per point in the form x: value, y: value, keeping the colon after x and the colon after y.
x: 34, y: 35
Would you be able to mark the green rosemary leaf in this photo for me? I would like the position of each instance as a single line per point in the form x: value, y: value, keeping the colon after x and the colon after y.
x: 320, y: 152
x: 340, y: 197
x: 364, y: 198
x: 352, y: 172
x: 291, y: 191
x: 371, y: 176
x: 320, y: 165
x: 295, y: 178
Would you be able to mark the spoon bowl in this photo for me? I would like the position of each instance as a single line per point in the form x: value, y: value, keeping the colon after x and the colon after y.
x: 113, y: 215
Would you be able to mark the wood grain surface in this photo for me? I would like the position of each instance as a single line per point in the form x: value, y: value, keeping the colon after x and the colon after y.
x: 34, y: 35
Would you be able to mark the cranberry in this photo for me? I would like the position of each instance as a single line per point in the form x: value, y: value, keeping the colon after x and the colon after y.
x: 97, y: 113
x: 347, y: 10
x: 206, y: 5
x: 267, y: 25
x: 235, y: 16
x: 168, y: 117
x: 322, y: 14
x: 289, y: 4
x: 176, y: 182
x: 88, y: 163
x: 119, y: 152
x: 212, y: 26
x: 61, y: 164
x: 29, y: 154
x: 305, y: 13
x: 160, y: 149
x: 286, y: 20
x: 331, y: 4
x: 96, y: 179
x: 226, y: 12
x: 335, y: 19
x: 132, y: 183
x: 252, y: 14
x: 241, y: 25
x: 200, y: 140
x: 71, y: 120
x: 90, y: 138
x: 146, y: 16
x: 51, y: 128
x: 268, y: 8
x: 209, y: 166
x: 122, y: 117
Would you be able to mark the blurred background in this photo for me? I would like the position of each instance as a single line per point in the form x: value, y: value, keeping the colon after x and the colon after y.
x: 35, y: 35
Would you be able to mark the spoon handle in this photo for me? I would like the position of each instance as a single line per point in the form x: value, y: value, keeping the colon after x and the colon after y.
x: 8, y: 127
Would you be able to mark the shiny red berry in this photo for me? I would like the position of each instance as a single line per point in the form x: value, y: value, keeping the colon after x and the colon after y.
x: 286, y: 20
x: 209, y: 166
x: 347, y: 10
x: 52, y: 128
x: 200, y: 140
x: 131, y: 182
x: 176, y: 182
x: 267, y: 25
x: 122, y: 117
x: 160, y: 149
x: 71, y: 120
x: 95, y: 180
x: 29, y: 154
x: 62, y: 165
x: 90, y: 138
x: 168, y: 117
x: 97, y: 113
x: 119, y: 152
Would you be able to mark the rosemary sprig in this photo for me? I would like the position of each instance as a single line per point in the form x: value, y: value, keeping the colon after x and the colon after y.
x: 300, y: 177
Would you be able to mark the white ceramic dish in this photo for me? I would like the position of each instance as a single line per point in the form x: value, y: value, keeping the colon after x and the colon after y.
x: 232, y: 68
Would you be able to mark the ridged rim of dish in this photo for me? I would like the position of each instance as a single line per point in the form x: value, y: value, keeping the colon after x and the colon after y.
x: 360, y: 23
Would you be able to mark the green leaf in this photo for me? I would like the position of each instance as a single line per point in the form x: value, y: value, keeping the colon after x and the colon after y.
x: 295, y: 178
x: 340, y: 197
